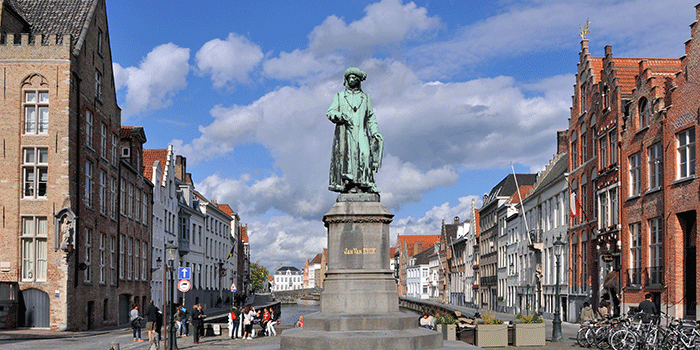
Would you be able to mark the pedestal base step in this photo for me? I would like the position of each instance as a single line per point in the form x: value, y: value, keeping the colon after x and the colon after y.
x: 394, y: 321
x: 417, y: 338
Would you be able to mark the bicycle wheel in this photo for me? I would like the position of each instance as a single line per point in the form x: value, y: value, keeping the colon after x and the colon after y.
x: 581, y: 337
x: 601, y: 337
x: 623, y: 340
x: 669, y: 342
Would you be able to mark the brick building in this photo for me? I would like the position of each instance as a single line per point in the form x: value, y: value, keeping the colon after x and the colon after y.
x: 79, y: 261
x: 632, y: 155
x: 410, y: 245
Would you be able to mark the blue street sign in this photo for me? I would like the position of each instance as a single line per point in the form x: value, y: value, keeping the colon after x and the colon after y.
x: 184, y: 273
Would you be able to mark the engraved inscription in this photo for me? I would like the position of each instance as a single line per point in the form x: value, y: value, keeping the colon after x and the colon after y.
x: 360, y: 251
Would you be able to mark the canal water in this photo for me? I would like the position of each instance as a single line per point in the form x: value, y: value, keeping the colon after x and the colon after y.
x: 291, y: 312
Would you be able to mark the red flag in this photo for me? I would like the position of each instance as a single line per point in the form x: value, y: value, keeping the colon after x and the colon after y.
x: 573, y: 205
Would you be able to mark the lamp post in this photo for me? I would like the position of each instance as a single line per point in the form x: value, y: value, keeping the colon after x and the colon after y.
x: 556, y: 323
x: 171, y: 251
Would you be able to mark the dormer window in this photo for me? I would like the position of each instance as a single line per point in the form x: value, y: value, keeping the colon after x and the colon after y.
x: 644, y: 113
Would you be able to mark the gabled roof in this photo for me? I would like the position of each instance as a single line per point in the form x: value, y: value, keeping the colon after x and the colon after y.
x: 523, y: 191
x: 58, y: 17
x: 244, y: 234
x: 226, y: 209
x: 316, y: 259
x: 284, y: 269
x: 423, y: 257
x: 507, y: 186
x: 150, y: 156
x: 423, y: 241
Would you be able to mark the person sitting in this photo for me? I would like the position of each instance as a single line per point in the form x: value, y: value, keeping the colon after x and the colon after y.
x: 426, y: 321
x: 587, y: 314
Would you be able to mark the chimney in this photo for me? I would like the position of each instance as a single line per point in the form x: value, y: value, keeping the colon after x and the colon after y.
x: 562, y: 141
x: 456, y: 220
x: 180, y: 167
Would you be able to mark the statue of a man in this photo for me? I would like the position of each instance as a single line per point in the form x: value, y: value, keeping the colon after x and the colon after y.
x: 66, y: 233
x: 357, y: 145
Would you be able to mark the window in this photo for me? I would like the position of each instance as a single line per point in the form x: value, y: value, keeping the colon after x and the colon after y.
x: 137, y: 207
x: 115, y: 149
x: 122, y: 204
x: 34, y: 248
x: 113, y: 197
x: 606, y: 96
x: 129, y: 259
x: 112, y: 260
x: 613, y: 207
x: 88, y: 184
x: 35, y: 172
x: 584, y: 144
x: 574, y: 153
x: 603, y: 152
x: 635, y: 254
x: 583, y: 98
x: 686, y: 153
x: 656, y: 250
x: 594, y: 138
x: 644, y: 114
x: 103, y: 192
x: 613, y: 146
x: 122, y: 258
x: 36, y: 112
x: 656, y: 165
x: 88, y: 255
x: 144, y: 260
x: 98, y: 85
x: 574, y: 261
x: 635, y: 175
x: 144, y: 209
x: 130, y: 204
x: 137, y: 261
x: 103, y: 141
x: 103, y: 259
x: 99, y: 41
x: 88, y: 129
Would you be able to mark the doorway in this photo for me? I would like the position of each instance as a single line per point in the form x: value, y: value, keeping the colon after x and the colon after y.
x: 687, y: 221
x: 90, y: 314
x: 34, y: 309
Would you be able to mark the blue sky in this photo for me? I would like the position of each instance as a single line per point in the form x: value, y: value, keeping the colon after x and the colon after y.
x: 460, y: 88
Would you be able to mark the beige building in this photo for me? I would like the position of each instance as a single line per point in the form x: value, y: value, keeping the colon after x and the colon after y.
x: 75, y: 208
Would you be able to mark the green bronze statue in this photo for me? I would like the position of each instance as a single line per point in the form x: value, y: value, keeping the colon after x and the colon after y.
x: 357, y: 145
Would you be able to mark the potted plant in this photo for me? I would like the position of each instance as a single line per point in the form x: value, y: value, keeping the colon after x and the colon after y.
x: 447, y: 325
x: 529, y: 330
x: 491, y: 332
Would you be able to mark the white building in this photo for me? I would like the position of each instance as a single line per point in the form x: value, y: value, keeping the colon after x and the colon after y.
x: 434, y: 270
x: 546, y: 209
x: 418, y: 275
x: 159, y: 167
x: 288, y: 278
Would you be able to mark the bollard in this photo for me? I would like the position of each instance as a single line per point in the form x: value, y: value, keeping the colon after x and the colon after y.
x: 114, y: 346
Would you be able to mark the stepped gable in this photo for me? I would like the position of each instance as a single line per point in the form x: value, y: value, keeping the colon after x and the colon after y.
x: 150, y: 156
x: 57, y: 17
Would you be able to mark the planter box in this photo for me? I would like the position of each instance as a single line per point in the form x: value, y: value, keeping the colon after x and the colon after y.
x: 449, y: 331
x: 492, y: 335
x: 529, y: 334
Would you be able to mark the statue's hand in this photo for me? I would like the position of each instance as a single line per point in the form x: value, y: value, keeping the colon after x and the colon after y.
x: 378, y: 137
x: 346, y: 119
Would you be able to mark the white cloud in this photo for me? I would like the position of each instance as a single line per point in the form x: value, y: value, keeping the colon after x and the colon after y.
x: 431, y: 222
x: 229, y: 61
x: 335, y: 43
x: 153, y: 84
x: 540, y: 26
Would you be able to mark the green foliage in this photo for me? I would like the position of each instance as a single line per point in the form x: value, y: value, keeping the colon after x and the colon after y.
x: 534, y: 318
x: 258, y: 275
x: 445, y: 319
x: 488, y: 319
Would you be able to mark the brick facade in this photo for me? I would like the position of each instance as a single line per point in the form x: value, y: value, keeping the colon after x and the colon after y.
x: 67, y: 80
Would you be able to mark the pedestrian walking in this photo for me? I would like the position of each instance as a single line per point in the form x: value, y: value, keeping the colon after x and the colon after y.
x: 135, y: 320
x: 151, y: 319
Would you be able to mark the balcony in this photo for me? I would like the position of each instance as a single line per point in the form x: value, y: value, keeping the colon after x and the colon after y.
x: 654, y: 276
x: 184, y: 246
x: 634, y: 277
x: 536, y: 242
x: 488, y: 280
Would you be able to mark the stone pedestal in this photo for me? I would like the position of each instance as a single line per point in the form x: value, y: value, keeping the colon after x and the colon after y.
x: 359, y: 304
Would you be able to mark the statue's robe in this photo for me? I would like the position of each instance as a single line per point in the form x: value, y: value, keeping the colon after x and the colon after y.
x: 350, y: 156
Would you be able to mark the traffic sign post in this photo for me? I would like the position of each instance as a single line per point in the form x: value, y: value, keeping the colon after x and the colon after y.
x: 184, y: 285
x: 184, y: 273
x: 233, y: 288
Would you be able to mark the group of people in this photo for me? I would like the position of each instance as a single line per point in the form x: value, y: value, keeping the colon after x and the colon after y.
x: 154, y: 322
x: 646, y: 307
x: 241, y: 321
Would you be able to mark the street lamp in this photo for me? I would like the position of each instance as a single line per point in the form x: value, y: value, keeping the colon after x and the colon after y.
x: 159, y: 261
x: 171, y: 251
x: 556, y: 323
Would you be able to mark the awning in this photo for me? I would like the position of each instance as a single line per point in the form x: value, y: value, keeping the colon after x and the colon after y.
x: 612, y: 281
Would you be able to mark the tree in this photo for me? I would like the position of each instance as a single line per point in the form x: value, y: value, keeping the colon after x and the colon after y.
x: 258, y: 276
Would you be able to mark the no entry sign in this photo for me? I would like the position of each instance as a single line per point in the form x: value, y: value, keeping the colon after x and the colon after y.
x: 184, y: 285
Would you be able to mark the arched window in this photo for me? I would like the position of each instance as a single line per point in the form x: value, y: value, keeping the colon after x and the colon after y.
x: 35, y: 103
x: 644, y: 113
